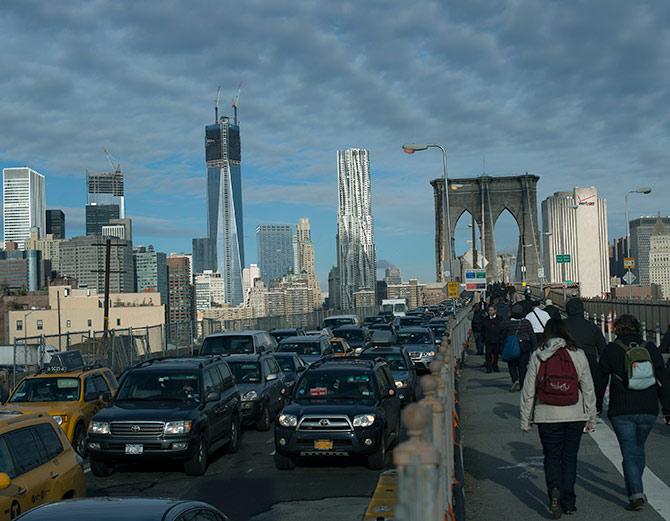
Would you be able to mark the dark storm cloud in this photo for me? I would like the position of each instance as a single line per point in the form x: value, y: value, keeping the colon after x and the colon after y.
x: 576, y: 92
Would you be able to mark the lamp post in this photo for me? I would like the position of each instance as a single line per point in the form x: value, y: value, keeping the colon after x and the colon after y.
x: 446, y: 218
x: 642, y: 190
x: 544, y: 255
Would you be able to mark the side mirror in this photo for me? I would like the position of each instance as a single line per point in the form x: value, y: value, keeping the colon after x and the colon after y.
x: 271, y: 377
x: 5, y: 481
x: 213, y: 397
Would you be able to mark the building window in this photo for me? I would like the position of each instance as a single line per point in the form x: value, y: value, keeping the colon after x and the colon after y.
x: 40, y: 325
x: 118, y: 321
x: 90, y: 322
x: 19, y: 325
x: 68, y: 323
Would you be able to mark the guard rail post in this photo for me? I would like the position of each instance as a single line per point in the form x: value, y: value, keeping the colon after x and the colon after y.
x: 644, y: 330
x: 418, y: 465
x: 658, y: 334
x: 436, y: 432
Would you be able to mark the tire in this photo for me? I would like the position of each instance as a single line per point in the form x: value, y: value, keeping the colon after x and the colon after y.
x: 14, y: 510
x: 101, y: 469
x: 284, y: 462
x: 235, y: 433
x: 79, y: 440
x: 263, y: 423
x: 197, y: 464
x: 377, y: 460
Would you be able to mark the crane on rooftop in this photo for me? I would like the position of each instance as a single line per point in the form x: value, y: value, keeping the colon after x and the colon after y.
x: 236, y: 98
x: 116, y: 167
x: 216, y: 105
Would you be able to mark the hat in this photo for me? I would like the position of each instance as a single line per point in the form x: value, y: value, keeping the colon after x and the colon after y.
x: 548, y: 302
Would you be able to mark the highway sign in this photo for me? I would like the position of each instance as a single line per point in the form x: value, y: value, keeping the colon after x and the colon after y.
x: 475, y: 280
x: 629, y: 263
x: 453, y: 289
x: 563, y: 258
x: 629, y: 277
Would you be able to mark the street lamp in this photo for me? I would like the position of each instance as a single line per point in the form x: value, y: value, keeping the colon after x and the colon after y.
x: 411, y: 148
x: 642, y: 190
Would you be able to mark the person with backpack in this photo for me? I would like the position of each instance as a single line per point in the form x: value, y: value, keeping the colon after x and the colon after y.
x: 637, y: 382
x: 538, y: 318
x: 491, y: 333
x: 588, y: 336
x: 559, y: 397
x: 518, y: 342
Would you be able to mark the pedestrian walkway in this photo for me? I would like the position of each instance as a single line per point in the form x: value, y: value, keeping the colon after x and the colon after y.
x: 503, y: 466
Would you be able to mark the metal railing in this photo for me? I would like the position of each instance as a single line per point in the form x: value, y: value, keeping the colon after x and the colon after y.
x: 430, y: 463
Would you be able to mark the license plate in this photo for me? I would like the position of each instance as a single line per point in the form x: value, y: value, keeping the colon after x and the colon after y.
x: 134, y: 448
x: 323, y: 444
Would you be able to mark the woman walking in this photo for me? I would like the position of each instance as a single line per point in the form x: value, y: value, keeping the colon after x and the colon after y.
x: 521, y: 328
x: 637, y: 381
x: 558, y: 396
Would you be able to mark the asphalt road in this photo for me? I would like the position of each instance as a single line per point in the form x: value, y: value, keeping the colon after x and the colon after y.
x: 246, y: 485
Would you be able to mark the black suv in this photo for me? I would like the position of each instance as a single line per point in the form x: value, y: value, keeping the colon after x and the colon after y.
x: 357, y: 337
x: 238, y: 343
x: 282, y: 333
x: 260, y: 381
x: 340, y: 407
x: 177, y: 408
x: 402, y: 369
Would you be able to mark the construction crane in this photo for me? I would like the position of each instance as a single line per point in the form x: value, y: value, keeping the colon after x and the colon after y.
x: 115, y: 166
x: 235, y: 100
x: 216, y: 105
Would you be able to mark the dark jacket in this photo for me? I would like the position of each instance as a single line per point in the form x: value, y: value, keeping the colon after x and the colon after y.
x: 611, y: 370
x: 523, y: 329
x: 491, y: 330
x: 587, y: 336
x: 477, y: 320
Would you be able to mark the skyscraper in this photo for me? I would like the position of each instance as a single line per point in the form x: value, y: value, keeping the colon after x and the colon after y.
x: 151, y: 272
x: 55, y: 224
x: 304, y: 257
x: 106, y: 188
x: 24, y: 204
x: 99, y: 215
x: 275, y: 251
x: 659, y: 257
x: 224, y: 204
x: 575, y: 224
x: 356, y: 243
x: 640, y: 234
x: 202, y: 255
x: 181, y: 300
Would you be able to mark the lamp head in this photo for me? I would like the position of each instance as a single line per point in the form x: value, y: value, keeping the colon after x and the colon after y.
x: 410, y: 148
x: 644, y: 190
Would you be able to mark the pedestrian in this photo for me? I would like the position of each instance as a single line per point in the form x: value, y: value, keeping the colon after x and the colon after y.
x: 517, y: 326
x: 503, y: 308
x: 637, y: 383
x: 538, y: 318
x: 552, y: 310
x: 491, y: 333
x: 527, y: 301
x: 588, y: 336
x: 561, y: 411
x: 478, y: 315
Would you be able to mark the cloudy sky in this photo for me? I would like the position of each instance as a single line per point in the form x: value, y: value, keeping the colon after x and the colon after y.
x: 575, y: 92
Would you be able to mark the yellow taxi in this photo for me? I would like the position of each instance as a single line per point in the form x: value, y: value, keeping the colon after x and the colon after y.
x: 37, y: 464
x: 71, y: 398
x: 340, y: 347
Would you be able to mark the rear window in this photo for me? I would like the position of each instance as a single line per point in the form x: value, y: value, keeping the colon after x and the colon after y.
x: 302, y: 348
x: 232, y: 345
x: 414, y: 337
x: 350, y: 334
x: 336, y: 322
x: 246, y: 372
x: 286, y: 364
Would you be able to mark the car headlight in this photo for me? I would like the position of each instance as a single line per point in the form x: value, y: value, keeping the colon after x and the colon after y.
x: 99, y: 428
x: 178, y: 427
x: 430, y: 353
x: 400, y: 384
x: 60, y: 419
x: 364, y: 420
x: 251, y: 395
x: 288, y: 420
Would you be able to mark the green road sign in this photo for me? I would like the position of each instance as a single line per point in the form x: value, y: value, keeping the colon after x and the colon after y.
x: 563, y: 258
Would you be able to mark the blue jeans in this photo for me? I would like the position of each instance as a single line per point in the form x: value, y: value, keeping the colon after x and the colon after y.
x: 632, y: 431
x: 560, y: 445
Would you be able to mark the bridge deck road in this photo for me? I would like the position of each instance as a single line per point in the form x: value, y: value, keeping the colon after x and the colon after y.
x: 503, y: 466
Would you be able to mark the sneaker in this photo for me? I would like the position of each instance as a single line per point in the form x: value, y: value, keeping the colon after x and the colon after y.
x: 555, y: 504
x: 514, y: 388
x: 570, y: 511
x: 635, y: 505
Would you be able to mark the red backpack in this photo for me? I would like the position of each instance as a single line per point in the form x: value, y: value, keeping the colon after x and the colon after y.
x: 557, y: 380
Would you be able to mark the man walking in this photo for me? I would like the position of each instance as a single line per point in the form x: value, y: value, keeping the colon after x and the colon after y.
x: 587, y: 336
x: 491, y: 331
x: 538, y: 318
x: 478, y: 316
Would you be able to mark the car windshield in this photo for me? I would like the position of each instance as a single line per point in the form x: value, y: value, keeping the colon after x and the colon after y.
x: 410, y: 321
x: 286, y: 364
x: 246, y: 372
x: 337, y: 346
x: 414, y: 337
x: 231, y: 345
x: 387, y: 308
x: 159, y: 386
x: 395, y: 360
x: 337, y: 322
x: 302, y: 348
x: 47, y: 390
x: 350, y: 334
x: 336, y: 385
x: 438, y: 330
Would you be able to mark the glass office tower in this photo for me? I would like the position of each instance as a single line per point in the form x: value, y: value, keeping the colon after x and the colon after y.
x: 224, y: 204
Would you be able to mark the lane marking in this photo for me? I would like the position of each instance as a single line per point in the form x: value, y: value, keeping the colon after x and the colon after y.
x: 87, y: 468
x: 270, y: 441
x: 249, y: 471
x: 658, y: 493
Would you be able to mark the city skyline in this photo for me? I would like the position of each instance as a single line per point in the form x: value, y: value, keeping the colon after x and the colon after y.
x: 567, y: 129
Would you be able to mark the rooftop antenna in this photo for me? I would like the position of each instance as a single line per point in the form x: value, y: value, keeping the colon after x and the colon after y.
x: 235, y: 100
x: 216, y: 105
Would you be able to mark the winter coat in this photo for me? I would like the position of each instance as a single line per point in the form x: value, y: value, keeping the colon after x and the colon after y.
x: 521, y: 328
x: 533, y: 411
x: 587, y: 336
x: 491, y: 330
x: 477, y: 320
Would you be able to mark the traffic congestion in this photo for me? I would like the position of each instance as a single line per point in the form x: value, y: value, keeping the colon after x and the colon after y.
x: 331, y: 394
